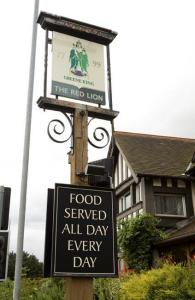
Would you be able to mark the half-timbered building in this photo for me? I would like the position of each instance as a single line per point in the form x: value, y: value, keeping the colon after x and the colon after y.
x: 154, y: 174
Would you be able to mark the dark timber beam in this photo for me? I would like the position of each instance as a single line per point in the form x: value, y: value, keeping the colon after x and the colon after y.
x: 76, y: 28
x: 69, y: 107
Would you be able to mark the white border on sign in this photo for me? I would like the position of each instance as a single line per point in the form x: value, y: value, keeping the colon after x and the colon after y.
x: 56, y: 225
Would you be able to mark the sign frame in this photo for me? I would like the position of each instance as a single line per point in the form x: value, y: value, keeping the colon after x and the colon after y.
x: 78, y: 69
x: 77, y: 29
x: 54, y: 271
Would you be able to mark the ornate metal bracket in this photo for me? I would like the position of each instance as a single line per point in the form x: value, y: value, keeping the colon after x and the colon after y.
x: 100, y: 134
x: 57, y: 128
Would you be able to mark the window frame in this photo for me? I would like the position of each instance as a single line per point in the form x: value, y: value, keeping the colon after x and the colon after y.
x: 122, y: 202
x: 183, y: 198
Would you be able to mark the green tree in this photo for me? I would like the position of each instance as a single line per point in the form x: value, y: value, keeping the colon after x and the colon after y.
x: 135, y: 240
x: 31, y: 266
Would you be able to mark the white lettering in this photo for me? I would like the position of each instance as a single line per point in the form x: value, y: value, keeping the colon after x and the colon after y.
x: 94, y: 97
x: 85, y: 246
x: 67, y: 212
x: 70, y: 245
x: 80, y: 213
x: 72, y: 229
x: 77, y: 261
x: 93, y: 230
x: 97, y: 200
x: 85, y: 262
x: 87, y: 199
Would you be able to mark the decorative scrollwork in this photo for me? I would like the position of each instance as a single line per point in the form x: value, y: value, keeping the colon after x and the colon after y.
x: 57, y: 128
x: 100, y: 134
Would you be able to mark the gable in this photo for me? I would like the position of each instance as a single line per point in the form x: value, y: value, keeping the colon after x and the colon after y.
x: 155, y: 155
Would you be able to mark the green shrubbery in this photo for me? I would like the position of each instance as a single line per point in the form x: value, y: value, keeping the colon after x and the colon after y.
x: 35, y: 289
x: 136, y: 238
x: 107, y: 289
x: 171, y: 282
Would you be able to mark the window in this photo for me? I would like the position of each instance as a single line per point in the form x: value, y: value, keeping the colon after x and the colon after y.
x: 156, y: 181
x: 170, y: 204
x: 128, y: 200
x: 181, y: 184
x: 120, y: 202
x: 124, y: 202
x: 138, y: 193
x: 169, y: 182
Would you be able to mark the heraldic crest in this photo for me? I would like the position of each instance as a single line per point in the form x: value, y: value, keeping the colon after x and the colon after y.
x: 78, y: 60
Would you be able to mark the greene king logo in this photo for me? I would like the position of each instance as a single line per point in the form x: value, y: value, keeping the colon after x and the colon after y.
x: 78, y: 60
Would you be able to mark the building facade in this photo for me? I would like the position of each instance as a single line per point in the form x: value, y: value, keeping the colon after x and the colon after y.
x: 156, y: 175
x: 150, y: 176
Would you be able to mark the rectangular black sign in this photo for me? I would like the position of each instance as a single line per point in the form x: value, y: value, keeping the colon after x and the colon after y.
x: 84, y: 236
x: 4, y: 234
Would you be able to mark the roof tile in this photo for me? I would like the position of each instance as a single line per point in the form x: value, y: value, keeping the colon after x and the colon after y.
x: 156, y: 155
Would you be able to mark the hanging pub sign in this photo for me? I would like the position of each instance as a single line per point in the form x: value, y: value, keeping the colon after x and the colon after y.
x: 84, y: 237
x: 78, y: 69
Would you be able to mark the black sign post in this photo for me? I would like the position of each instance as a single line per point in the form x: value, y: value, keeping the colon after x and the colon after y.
x: 84, y: 237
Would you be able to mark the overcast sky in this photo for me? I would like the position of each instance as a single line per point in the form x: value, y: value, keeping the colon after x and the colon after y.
x: 153, y: 86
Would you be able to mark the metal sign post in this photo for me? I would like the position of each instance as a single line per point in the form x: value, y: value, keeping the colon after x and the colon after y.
x: 22, y: 209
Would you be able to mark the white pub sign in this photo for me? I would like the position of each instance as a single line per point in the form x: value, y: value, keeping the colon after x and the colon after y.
x: 78, y: 69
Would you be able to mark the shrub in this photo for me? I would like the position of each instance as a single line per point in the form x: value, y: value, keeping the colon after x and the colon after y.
x: 51, y: 289
x: 135, y: 240
x: 6, y: 290
x: 35, y: 289
x: 106, y: 289
x: 171, y: 282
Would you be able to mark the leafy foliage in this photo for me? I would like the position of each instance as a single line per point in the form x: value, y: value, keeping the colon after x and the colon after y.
x: 31, y: 267
x: 171, y: 282
x: 135, y: 240
x: 51, y: 289
x: 106, y: 289
x: 35, y: 289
